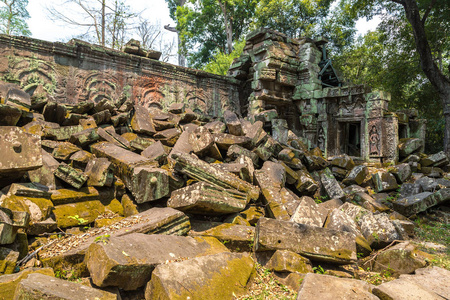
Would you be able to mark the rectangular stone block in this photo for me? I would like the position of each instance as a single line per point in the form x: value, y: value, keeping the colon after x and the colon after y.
x: 316, y: 243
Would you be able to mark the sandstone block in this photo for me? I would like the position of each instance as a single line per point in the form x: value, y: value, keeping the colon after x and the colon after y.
x: 100, y: 172
x: 128, y: 262
x: 309, y: 213
x: 317, y: 243
x: 218, y: 276
x: 8, y: 283
x: 331, y: 186
x: 288, y: 261
x: 204, y: 198
x: 40, y: 286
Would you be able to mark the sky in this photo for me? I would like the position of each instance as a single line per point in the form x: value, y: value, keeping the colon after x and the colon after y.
x: 156, y: 11
x: 42, y: 27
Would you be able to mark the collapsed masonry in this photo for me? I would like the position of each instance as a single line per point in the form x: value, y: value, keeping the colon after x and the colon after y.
x: 291, y: 83
x: 160, y: 201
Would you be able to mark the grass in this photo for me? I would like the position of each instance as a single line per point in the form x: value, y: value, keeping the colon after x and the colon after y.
x: 434, y: 229
x: 265, y: 287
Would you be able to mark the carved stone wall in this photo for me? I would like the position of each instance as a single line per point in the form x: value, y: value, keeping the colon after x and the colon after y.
x: 78, y: 71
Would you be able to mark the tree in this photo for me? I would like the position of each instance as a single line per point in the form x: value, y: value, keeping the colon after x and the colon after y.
x: 207, y: 27
x: 13, y: 16
x: 107, y: 22
x: 152, y: 37
x: 424, y: 17
x: 220, y: 62
x: 173, y: 6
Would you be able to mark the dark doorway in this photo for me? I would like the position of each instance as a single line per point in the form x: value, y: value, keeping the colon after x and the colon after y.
x: 350, y: 138
x: 402, y: 131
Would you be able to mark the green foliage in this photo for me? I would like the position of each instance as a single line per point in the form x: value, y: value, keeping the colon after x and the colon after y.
x: 102, y: 238
x: 220, y: 62
x: 81, y: 221
x: 319, y: 270
x: 387, y: 59
x: 202, y: 26
x: 13, y: 16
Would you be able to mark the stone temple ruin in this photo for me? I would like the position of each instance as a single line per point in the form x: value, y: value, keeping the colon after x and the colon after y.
x: 287, y: 83
x: 143, y: 180
x: 294, y: 79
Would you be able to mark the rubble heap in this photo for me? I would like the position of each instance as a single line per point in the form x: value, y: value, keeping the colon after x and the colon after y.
x: 172, y: 204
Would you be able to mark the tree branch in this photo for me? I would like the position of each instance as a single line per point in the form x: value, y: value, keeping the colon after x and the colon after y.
x: 425, y: 16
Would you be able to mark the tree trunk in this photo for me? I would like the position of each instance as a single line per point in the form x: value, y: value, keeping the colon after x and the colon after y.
x: 429, y: 67
x: 103, y: 22
x: 228, y: 26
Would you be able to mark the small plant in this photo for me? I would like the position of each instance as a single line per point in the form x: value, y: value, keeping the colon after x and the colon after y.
x: 319, y: 270
x: 102, y: 238
x: 81, y: 221
x: 320, y: 199
x: 375, y: 236
x: 360, y: 255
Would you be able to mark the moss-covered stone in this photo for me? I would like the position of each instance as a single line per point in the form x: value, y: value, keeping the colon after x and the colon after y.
x: 8, y: 260
x: 76, y: 214
x: 8, y: 283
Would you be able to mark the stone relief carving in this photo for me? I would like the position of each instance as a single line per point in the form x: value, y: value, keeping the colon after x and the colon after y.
x: 374, y: 141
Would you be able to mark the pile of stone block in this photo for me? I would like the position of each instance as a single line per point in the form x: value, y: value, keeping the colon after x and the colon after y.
x: 170, y: 204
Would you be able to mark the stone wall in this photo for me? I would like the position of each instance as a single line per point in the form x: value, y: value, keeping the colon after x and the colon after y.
x: 78, y: 71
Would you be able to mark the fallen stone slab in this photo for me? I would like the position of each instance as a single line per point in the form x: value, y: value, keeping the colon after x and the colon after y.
x: 62, y: 133
x: 21, y: 152
x: 401, y: 289
x: 309, y: 212
x: 433, y: 278
x: 7, y: 230
x: 71, y: 175
x: 203, y: 171
x: 9, y: 115
x: 218, y: 276
x: 331, y: 185
x: 40, y: 286
x: 168, y: 136
x: 384, y: 182
x: 313, y: 242
x: 288, y: 261
x: 418, y: 203
x: 225, y: 140
x: 78, y: 214
x: 141, y: 121
x: 99, y: 172
x: 402, y: 172
x: 128, y: 261
x: 409, y: 146
x: 146, y: 183
x: 436, y: 160
x: 234, y: 236
x: 204, y: 198
x: 85, y: 137
x: 156, y: 151
x: 62, y: 150
x: 357, y: 175
x: 8, y: 283
x: 233, y: 123
x: 164, y: 221
x: 326, y: 287
x: 306, y: 183
x: 8, y: 260
x: 403, y: 258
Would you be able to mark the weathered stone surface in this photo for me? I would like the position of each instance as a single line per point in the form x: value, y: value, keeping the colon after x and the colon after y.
x: 201, y: 140
x: 402, y: 172
x: 100, y: 172
x: 226, y: 140
x: 71, y: 176
x: 309, y: 213
x: 85, y: 137
x: 401, y: 289
x: 234, y: 236
x: 141, y: 121
x: 235, y: 151
x: 433, y: 278
x: 7, y: 230
x: 268, y: 148
x: 168, y: 136
x: 384, y: 182
x: 343, y: 162
x: 288, y: 261
x: 280, y: 130
x: 18, y: 98
x: 331, y: 186
x: 326, y: 287
x: 314, y: 162
x: 63, y: 150
x: 8, y: 283
x: 39, y: 286
x: 410, y: 189
x: 409, y: 146
x: 145, y: 183
x: 80, y: 159
x: 8, y: 260
x: 306, y: 183
x: 156, y: 151
x: 109, y: 134
x: 216, y: 127
x: 127, y: 262
x: 204, y: 198
x: 421, y: 202
x: 20, y: 152
x: 427, y: 184
x: 403, y: 258
x: 76, y: 214
x: 436, y: 160
x: 233, y: 123
x: 62, y: 133
x: 202, y: 171
x: 9, y: 115
x: 313, y: 242
x: 218, y: 276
